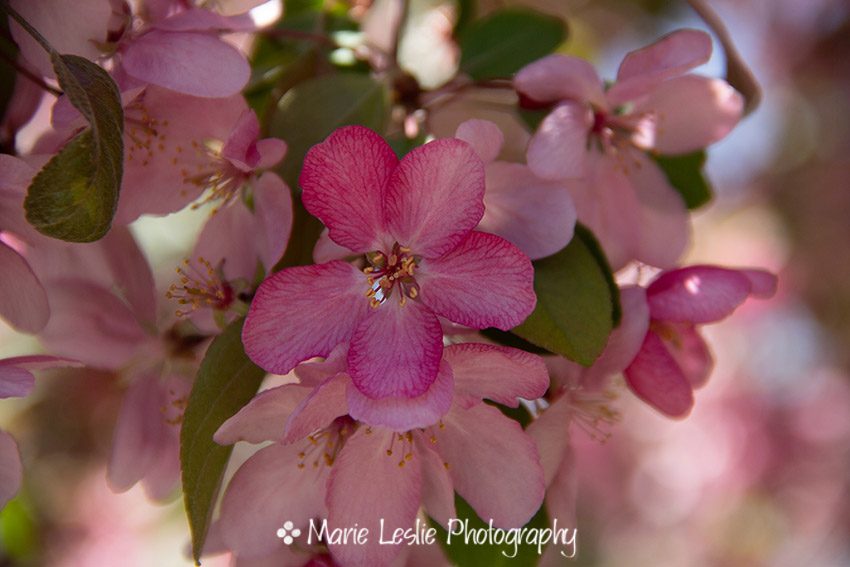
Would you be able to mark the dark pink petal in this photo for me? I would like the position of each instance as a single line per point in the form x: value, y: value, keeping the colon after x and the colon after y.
x: 324, y: 404
x: 395, y: 350
x: 23, y: 302
x: 11, y: 470
x: 344, y: 181
x: 271, y: 151
x: 763, y: 283
x: 435, y: 197
x: 264, y: 417
x: 560, y: 77
x: 240, y: 149
x: 673, y: 54
x: 266, y: 491
x: 550, y: 432
x: 193, y: 63
x: 498, y: 373
x: 302, y: 312
x: 438, y: 495
x: 537, y: 215
x: 402, y: 413
x: 655, y: 377
x: 366, y: 486
x: 691, y: 113
x: 273, y: 212
x: 697, y: 294
x: 485, y: 282
x: 558, y: 149
x: 493, y: 463
x: 686, y: 345
x: 15, y: 382
x: 665, y: 229
x: 483, y: 136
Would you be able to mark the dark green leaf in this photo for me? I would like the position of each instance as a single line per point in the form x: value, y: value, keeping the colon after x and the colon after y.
x: 532, y: 118
x: 505, y: 41
x: 226, y: 381
x: 75, y: 195
x: 576, y: 303
x: 684, y: 173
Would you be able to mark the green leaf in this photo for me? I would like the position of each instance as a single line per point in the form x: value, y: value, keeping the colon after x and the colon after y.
x: 226, y: 381
x: 577, y: 301
x: 532, y: 118
x: 684, y: 173
x: 75, y: 195
x: 505, y: 41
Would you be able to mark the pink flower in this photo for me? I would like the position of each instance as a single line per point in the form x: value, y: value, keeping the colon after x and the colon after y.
x: 413, y: 220
x: 599, y: 137
x: 327, y: 465
x: 674, y: 358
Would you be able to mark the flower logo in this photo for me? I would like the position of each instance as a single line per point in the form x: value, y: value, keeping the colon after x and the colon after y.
x: 288, y: 533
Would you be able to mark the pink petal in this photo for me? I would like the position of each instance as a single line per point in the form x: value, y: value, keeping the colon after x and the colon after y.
x: 686, y: 345
x: 536, y: 215
x: 655, y: 377
x: 11, y: 470
x: 498, y: 373
x: 197, y: 19
x: 131, y: 272
x: 15, y: 382
x: 366, y: 486
x: 485, y: 282
x: 483, y: 136
x: 493, y: 463
x: 264, y: 417
x: 15, y: 176
x: 266, y: 491
x: 673, y: 54
x: 558, y: 149
x: 563, y: 492
x: 23, y: 302
x: 625, y: 341
x: 665, y: 230
x: 324, y: 404
x: 229, y: 241
x: 692, y: 112
x: 326, y: 249
x: 395, y: 351
x: 302, y: 312
x: 39, y: 362
x: 550, y: 432
x: 344, y: 181
x: 314, y: 373
x: 435, y: 197
x: 193, y: 63
x: 401, y: 413
x: 271, y: 151
x: 438, y: 496
x: 560, y: 77
x: 273, y: 212
x: 763, y: 284
x: 697, y: 294
x: 240, y: 149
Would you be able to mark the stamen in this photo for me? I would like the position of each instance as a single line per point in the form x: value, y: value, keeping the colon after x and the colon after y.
x: 200, y: 286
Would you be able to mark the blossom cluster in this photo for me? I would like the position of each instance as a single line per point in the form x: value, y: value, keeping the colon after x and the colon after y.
x: 402, y: 390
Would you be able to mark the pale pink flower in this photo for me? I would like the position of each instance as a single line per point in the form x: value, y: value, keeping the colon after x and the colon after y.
x: 599, y: 137
x: 414, y: 221
x: 327, y: 465
x: 674, y: 358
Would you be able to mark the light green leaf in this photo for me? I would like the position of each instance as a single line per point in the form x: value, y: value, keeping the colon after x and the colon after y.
x: 577, y: 301
x: 226, y: 381
x: 505, y: 41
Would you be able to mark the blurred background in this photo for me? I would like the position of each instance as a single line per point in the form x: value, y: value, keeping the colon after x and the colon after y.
x: 759, y: 474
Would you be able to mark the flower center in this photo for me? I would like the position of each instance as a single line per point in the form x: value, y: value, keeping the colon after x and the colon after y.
x: 324, y: 446
x: 200, y: 286
x: 388, y: 272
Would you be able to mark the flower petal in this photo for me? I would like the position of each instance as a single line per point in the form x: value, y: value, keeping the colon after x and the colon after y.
x: 366, y: 486
x: 266, y: 491
x: 130, y: 271
x: 344, y: 181
x: 15, y: 382
x: 536, y: 215
x: 264, y: 417
x: 493, y: 463
x: 395, y: 350
x: 272, y: 150
x: 485, y: 282
x: 673, y: 54
x: 438, y: 496
x: 558, y: 150
x: 560, y: 77
x: 435, y: 197
x: 302, y: 312
x: 655, y: 377
x: 483, y: 136
x: 550, y: 432
x: 625, y: 341
x: 326, y: 249
x: 692, y: 112
x: 686, y: 345
x: 324, y: 404
x: 697, y: 294
x: 229, y: 241
x: 762, y: 283
x: 401, y: 413
x: 315, y: 372
x: 273, y: 212
x: 11, y: 470
x: 501, y: 374
x: 23, y: 302
x: 193, y: 63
